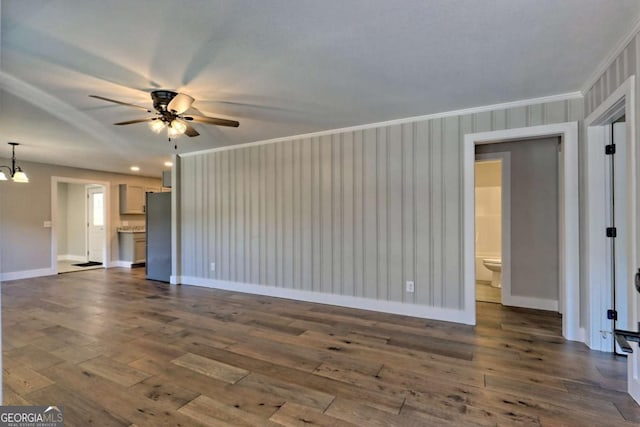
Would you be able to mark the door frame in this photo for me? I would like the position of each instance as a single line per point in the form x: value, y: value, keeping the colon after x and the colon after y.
x: 621, y: 101
x: 54, y: 216
x: 569, y: 216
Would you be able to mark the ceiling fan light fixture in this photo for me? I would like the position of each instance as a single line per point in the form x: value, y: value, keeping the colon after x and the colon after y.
x: 178, y: 126
x: 172, y: 133
x: 3, y: 177
x: 156, y: 125
x: 169, y: 109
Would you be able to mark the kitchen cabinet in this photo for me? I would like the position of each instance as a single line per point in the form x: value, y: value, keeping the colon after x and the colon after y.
x: 132, y: 246
x: 133, y: 198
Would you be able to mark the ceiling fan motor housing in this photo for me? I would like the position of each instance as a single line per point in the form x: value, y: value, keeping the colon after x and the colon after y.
x: 161, y: 99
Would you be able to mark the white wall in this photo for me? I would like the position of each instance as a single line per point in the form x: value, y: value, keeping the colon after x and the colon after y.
x: 348, y: 213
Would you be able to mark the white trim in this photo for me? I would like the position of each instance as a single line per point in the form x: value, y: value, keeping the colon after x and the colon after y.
x: 582, y: 334
x: 603, y: 112
x: 68, y: 257
x: 415, y: 310
x: 27, y: 274
x: 569, y: 207
x: 176, y: 229
x: 472, y: 110
x: 594, y: 219
x: 532, y: 302
x: 602, y: 67
x: 54, y: 216
x: 175, y: 280
x: 505, y: 220
x: 122, y: 264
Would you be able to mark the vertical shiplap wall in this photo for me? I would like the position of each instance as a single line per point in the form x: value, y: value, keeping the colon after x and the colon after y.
x: 354, y: 213
x: 620, y: 69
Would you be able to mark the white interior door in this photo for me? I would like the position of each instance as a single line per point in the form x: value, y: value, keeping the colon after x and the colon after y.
x: 627, y: 298
x: 95, y: 224
x: 621, y: 208
x: 616, y: 294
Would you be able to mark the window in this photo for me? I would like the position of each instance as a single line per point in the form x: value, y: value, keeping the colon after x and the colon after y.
x: 97, y: 215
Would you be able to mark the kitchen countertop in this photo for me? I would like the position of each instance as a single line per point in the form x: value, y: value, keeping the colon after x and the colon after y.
x: 131, y: 230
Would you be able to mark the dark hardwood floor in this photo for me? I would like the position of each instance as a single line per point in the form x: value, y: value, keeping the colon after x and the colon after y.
x: 117, y: 350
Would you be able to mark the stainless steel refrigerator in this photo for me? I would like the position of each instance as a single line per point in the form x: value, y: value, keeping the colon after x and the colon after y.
x: 158, y: 210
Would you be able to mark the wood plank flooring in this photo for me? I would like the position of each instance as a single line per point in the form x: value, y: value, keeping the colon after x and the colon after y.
x: 487, y: 293
x: 117, y: 350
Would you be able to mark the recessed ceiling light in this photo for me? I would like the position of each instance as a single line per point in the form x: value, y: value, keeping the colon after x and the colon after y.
x: 135, y: 168
x: 168, y: 164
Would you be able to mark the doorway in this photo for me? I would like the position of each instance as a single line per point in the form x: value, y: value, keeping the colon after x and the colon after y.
x: 79, y: 224
x: 611, y: 220
x: 491, y: 219
x: 612, y: 257
x: 568, y: 215
x: 532, y: 261
x: 95, y: 225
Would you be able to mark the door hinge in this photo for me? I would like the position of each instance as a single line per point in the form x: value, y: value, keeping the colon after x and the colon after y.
x: 612, y: 232
x: 612, y: 315
x: 610, y: 149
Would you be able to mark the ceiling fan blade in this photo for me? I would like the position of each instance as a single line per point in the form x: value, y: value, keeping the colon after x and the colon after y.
x: 190, y: 131
x: 180, y: 103
x: 121, y: 103
x: 214, y: 121
x: 130, y: 122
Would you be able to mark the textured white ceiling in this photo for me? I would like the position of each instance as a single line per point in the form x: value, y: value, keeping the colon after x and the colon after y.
x: 279, y: 67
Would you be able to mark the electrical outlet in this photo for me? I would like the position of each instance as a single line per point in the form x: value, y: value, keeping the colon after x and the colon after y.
x: 213, y: 266
x: 410, y: 286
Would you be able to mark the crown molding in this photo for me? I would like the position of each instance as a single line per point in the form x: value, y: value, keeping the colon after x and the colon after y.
x: 453, y: 113
x: 608, y: 60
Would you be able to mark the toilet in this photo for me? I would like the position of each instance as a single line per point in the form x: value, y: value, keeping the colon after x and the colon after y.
x: 495, y: 266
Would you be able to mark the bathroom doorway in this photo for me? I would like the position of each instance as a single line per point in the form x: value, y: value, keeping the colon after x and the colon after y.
x: 568, y: 294
x: 528, y: 270
x: 491, y: 215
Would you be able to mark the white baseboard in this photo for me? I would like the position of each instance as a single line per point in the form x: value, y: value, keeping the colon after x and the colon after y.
x: 582, y: 335
x: 26, y: 274
x: 78, y: 258
x: 415, y: 310
x: 530, y: 302
x: 123, y: 264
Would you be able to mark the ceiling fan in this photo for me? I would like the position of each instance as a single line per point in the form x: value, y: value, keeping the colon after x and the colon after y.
x: 170, y: 107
